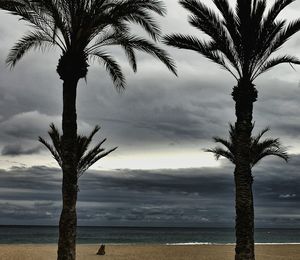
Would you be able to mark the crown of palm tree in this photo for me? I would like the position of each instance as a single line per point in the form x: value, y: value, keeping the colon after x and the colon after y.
x: 243, y: 40
x: 86, y: 27
x: 84, y: 157
x: 258, y: 148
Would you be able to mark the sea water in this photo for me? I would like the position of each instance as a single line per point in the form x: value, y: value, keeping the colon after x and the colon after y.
x: 143, y: 235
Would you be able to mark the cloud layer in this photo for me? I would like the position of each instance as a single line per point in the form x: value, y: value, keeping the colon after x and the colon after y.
x: 185, y: 197
x: 158, y: 117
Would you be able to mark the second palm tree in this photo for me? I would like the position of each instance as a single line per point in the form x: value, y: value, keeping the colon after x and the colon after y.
x: 242, y: 42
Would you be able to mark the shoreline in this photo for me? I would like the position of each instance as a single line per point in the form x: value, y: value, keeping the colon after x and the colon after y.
x: 148, y: 252
x: 154, y: 244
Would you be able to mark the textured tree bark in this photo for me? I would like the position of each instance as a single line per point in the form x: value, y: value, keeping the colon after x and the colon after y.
x: 68, y: 218
x: 71, y: 67
x: 244, y: 95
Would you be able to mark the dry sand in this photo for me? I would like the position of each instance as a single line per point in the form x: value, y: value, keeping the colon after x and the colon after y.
x: 149, y: 252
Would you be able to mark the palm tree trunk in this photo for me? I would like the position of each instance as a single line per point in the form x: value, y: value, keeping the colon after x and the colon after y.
x: 244, y: 95
x: 68, y: 218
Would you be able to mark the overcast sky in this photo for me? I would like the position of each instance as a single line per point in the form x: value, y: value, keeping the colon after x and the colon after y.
x: 159, y: 175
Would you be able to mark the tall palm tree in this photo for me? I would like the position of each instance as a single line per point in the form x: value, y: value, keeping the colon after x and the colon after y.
x: 242, y: 41
x: 259, y: 149
x: 85, y: 157
x: 82, y: 29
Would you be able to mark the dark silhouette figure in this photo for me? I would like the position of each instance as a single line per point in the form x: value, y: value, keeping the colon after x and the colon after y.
x: 242, y: 41
x: 101, y: 250
x: 82, y: 29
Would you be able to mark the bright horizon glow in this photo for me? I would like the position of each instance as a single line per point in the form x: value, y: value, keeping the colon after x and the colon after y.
x: 160, y: 160
x: 142, y: 161
x: 134, y: 161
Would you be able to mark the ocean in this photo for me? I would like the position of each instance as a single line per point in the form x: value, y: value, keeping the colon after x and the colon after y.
x: 134, y: 235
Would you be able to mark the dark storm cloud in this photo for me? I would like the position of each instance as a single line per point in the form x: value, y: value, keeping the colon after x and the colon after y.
x: 155, y: 110
x: 158, y: 112
x: 27, y: 125
x: 191, y: 197
x: 36, y: 211
x: 17, y: 149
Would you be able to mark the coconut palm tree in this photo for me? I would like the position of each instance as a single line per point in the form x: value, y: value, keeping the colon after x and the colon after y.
x: 85, y: 157
x: 242, y: 41
x: 82, y: 29
x: 259, y: 149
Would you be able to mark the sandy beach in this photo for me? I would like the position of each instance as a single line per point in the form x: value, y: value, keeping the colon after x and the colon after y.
x: 149, y: 252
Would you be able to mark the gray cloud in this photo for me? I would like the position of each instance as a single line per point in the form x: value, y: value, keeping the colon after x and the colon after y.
x: 17, y: 149
x: 191, y: 197
x: 156, y: 110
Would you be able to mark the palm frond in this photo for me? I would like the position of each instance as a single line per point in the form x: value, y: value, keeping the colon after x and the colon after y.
x: 230, y: 22
x: 138, y: 12
x: 61, y: 18
x: 77, y: 26
x: 220, y: 152
x: 52, y: 150
x: 34, y: 14
x: 206, y: 20
x: 272, y: 151
x: 271, y: 63
x: 11, y: 5
x: 147, y: 22
x: 274, y: 11
x: 112, y: 68
x: 255, y: 139
x: 115, y: 37
x: 284, y: 35
x: 36, y: 39
x: 258, y: 149
x: 264, y: 46
x: 273, y: 34
x: 206, y: 49
x: 55, y: 148
x: 221, y: 41
x: 224, y: 142
x: 93, y: 156
x: 141, y: 44
x: 56, y: 138
x: 84, y: 142
x: 258, y: 11
x: 274, y: 40
x: 241, y: 40
x: 129, y: 51
x: 156, y: 6
x: 85, y: 157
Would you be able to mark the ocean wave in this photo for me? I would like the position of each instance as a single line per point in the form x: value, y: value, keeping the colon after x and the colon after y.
x: 222, y: 244
x: 197, y: 243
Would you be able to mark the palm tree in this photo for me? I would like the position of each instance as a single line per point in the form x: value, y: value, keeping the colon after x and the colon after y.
x: 242, y: 41
x: 85, y: 157
x: 258, y: 149
x: 82, y: 29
